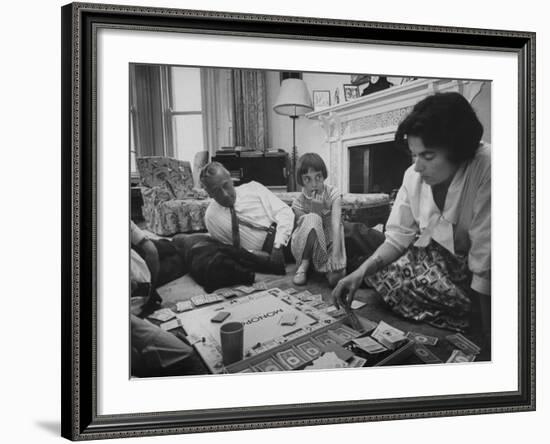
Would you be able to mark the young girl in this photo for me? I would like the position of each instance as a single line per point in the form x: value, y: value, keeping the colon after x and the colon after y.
x: 318, y: 239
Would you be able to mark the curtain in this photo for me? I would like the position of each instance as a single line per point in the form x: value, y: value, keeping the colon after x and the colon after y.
x: 250, y: 109
x: 146, y: 110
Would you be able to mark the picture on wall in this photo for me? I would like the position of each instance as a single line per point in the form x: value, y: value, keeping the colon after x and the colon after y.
x: 321, y: 99
x: 351, y: 92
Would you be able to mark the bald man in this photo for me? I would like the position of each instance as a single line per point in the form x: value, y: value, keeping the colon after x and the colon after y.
x: 256, y: 209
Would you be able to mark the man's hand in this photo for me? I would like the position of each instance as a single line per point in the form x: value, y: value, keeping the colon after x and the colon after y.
x: 344, y: 292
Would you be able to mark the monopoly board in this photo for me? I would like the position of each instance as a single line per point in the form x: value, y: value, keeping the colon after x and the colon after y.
x: 262, y: 314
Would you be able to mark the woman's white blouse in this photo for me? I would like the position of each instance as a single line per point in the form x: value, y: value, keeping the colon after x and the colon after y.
x: 464, y: 226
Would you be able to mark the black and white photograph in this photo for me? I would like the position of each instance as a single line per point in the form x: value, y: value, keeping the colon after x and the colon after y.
x: 271, y: 234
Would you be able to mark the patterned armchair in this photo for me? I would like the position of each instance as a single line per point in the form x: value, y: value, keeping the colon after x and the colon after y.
x: 170, y: 203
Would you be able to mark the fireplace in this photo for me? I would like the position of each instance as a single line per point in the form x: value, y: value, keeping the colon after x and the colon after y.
x: 377, y: 167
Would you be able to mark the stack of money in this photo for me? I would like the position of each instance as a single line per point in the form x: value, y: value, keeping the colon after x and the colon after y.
x: 245, y: 289
x: 369, y: 345
x: 227, y: 292
x: 259, y: 286
x: 184, y: 306
x: 390, y: 337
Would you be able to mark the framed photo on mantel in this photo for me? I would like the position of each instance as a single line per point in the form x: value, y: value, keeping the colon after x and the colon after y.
x: 175, y: 279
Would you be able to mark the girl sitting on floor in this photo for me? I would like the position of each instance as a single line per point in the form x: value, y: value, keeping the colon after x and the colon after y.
x: 318, y: 239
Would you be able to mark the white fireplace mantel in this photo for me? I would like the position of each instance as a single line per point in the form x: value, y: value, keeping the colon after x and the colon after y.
x: 374, y: 119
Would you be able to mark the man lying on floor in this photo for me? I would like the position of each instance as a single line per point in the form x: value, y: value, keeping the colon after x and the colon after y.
x: 155, y: 352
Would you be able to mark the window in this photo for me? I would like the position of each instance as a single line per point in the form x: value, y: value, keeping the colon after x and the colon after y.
x: 185, y: 112
x: 166, y: 112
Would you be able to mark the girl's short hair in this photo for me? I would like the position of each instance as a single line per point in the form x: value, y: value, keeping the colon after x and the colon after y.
x: 307, y: 161
x: 444, y: 120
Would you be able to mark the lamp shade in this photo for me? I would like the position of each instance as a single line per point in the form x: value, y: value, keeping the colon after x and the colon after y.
x: 293, y: 99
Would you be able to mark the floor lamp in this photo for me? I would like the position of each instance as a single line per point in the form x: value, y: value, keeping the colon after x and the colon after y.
x: 293, y: 101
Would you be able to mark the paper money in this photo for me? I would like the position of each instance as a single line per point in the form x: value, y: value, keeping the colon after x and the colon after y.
x: 335, y: 312
x: 245, y: 289
x: 290, y: 359
x: 357, y: 304
x: 425, y: 355
x: 346, y: 333
x: 211, y: 298
x: 421, y: 339
x: 460, y: 356
x: 325, y: 339
x: 464, y: 344
x: 259, y: 286
x: 291, y: 290
x: 364, y: 325
x: 164, y: 314
x: 227, y: 292
x: 356, y: 361
x: 268, y: 365
x: 309, y: 349
x: 170, y: 325
x: 327, y: 360
x: 303, y: 295
x: 199, y: 300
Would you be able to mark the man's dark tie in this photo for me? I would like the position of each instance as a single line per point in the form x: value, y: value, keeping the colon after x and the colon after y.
x: 235, y: 228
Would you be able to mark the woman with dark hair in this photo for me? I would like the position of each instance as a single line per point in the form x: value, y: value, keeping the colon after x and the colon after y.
x: 436, y: 258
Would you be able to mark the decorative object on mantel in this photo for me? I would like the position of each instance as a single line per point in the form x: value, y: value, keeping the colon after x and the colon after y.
x: 359, y: 79
x: 376, y: 84
x: 351, y: 92
x: 336, y: 96
x: 293, y: 101
x: 396, y: 81
x: 330, y: 124
x: 321, y: 99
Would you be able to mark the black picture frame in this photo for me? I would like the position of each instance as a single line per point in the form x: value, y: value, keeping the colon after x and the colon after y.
x: 80, y: 419
x: 351, y: 92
